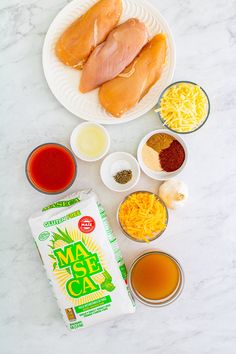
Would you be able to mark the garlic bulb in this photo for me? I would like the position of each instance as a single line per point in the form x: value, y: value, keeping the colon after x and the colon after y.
x: 174, y: 193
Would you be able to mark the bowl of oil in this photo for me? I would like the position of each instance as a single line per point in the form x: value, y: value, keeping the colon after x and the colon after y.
x: 90, y: 141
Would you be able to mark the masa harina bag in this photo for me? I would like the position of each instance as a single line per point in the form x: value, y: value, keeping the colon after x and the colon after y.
x: 82, y: 260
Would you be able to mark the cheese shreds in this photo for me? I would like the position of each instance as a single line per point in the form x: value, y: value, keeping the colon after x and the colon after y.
x: 142, y: 216
x: 183, y: 107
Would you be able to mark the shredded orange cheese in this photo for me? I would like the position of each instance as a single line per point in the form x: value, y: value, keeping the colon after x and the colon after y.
x: 142, y: 216
x: 183, y: 107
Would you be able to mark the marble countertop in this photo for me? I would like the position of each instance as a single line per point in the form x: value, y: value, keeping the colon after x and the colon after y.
x: 201, y: 235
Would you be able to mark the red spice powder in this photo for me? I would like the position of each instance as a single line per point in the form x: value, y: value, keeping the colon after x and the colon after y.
x: 173, y: 157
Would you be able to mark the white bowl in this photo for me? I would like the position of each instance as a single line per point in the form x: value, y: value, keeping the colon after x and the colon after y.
x: 162, y: 175
x: 76, y: 151
x: 115, y: 162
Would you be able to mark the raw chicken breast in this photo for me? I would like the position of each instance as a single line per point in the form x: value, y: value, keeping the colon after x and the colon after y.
x: 82, y: 36
x: 126, y: 90
x: 112, y: 56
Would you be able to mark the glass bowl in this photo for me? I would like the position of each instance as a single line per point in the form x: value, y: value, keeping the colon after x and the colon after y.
x: 30, y: 178
x: 130, y: 236
x: 166, y: 300
x: 159, y: 106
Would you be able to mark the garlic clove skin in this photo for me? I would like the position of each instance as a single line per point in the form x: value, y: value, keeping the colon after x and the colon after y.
x: 174, y: 193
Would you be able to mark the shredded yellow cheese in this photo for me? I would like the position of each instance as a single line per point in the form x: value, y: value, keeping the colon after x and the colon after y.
x: 183, y: 107
x: 142, y: 216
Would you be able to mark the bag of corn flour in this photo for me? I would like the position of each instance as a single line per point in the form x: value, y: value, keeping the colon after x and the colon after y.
x: 82, y: 260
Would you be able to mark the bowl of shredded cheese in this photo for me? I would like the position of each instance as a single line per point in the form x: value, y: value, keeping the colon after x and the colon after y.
x: 142, y: 216
x: 183, y: 107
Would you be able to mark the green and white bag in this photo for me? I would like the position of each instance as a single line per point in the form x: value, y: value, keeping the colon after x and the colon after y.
x: 82, y: 260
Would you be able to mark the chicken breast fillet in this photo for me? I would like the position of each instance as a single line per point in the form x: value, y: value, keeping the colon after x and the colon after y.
x: 83, y: 35
x: 126, y: 90
x: 112, y: 56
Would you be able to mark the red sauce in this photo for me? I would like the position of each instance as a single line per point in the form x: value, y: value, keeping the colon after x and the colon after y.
x: 51, y: 168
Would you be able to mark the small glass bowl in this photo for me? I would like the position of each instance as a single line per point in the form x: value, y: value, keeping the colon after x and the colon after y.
x: 30, y: 179
x: 159, y: 106
x: 160, y: 302
x: 130, y: 236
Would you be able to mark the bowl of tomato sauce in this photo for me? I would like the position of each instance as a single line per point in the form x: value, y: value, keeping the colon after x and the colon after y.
x: 51, y: 168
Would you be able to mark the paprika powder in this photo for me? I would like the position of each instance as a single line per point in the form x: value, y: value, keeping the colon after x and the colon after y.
x: 172, y: 158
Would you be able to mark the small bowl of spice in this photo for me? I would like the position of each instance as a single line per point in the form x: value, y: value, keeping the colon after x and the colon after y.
x: 120, y: 171
x: 162, y: 154
x: 183, y: 107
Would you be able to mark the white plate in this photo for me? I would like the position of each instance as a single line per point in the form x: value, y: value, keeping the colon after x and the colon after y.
x: 64, y: 81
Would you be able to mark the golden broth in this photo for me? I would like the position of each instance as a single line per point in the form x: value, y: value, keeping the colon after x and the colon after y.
x: 155, y: 276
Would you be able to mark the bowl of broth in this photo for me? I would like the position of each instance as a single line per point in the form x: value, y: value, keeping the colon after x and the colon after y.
x: 156, y: 278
